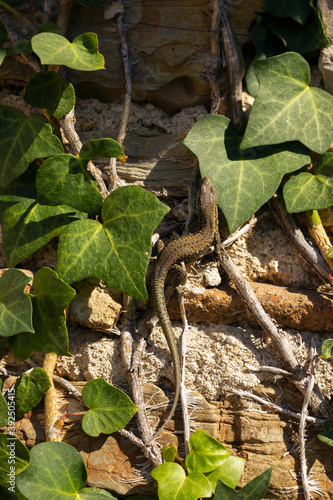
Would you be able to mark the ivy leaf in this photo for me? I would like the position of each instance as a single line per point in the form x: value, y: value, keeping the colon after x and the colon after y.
x: 311, y: 191
x: 110, y: 408
x: 27, y: 225
x: 15, y: 304
x: 49, y: 320
x: 254, y: 490
x: 48, y: 90
x: 3, y: 37
x: 306, y: 39
x: 286, y: 108
x: 102, y: 147
x: 169, y: 453
x: 173, y: 484
x: 207, y: 453
x: 23, y: 46
x: 14, y: 458
x: 62, y: 175
x: 298, y: 10
x: 327, y: 435
x: 23, y: 140
x: 327, y: 349
x: 244, y: 180
x: 265, y: 47
x: 3, y: 411
x: 29, y: 390
x: 82, y: 54
x: 94, y: 494
x: 229, y: 472
x: 56, y: 470
x: 117, y: 251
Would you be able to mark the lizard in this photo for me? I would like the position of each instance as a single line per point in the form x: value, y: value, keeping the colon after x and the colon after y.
x: 186, y: 248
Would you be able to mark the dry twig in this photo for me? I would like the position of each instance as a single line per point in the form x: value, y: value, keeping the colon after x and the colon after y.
x: 301, y: 432
x: 182, y: 384
x: 264, y: 402
x: 244, y: 289
x: 310, y: 254
x: 114, y: 179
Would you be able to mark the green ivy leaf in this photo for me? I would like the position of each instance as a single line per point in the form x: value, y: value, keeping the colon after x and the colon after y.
x: 82, y: 54
x: 265, y: 47
x: 254, y: 490
x: 19, y: 190
x: 62, y: 175
x: 169, y: 453
x: 117, y: 251
x: 48, y: 90
x: 207, y: 453
x: 286, y: 108
x: 327, y: 436
x: 29, y: 390
x: 94, y: 494
x: 23, y: 46
x: 14, y: 458
x: 298, y: 10
x: 110, y: 408
x: 229, y: 472
x: 56, y: 470
x: 15, y: 304
x: 306, y: 39
x: 27, y: 225
x: 102, y: 147
x: 3, y: 37
x: 49, y: 320
x: 173, y: 484
x: 327, y: 349
x: 244, y: 180
x: 22, y: 140
x: 311, y: 191
x: 2, y: 55
x: 3, y: 411
x: 330, y: 253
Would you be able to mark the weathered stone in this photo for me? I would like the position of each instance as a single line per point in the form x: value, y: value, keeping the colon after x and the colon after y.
x: 326, y: 57
x: 95, y: 306
x: 170, y: 45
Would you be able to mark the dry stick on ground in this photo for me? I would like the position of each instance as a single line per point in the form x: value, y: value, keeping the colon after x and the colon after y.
x: 308, y: 253
x: 301, y: 432
x: 257, y: 399
x: 300, y: 380
x: 132, y: 362
x: 114, y: 179
x: 182, y: 382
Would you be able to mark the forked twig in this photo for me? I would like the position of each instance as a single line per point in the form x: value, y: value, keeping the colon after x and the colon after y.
x: 244, y: 289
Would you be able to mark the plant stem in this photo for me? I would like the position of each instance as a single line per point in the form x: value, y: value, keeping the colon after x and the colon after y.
x: 319, y: 234
x: 314, y: 217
